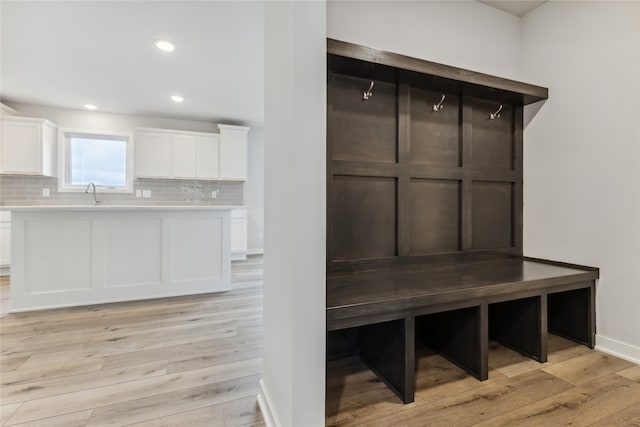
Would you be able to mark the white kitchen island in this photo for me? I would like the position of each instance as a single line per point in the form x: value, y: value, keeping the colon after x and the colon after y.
x: 78, y: 255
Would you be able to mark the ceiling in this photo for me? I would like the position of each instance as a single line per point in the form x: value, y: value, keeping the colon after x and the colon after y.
x: 67, y: 54
x: 514, y: 7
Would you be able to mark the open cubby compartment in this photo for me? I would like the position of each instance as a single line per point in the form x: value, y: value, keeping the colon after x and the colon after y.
x: 520, y: 324
x: 459, y: 336
x: 387, y: 348
x: 571, y: 314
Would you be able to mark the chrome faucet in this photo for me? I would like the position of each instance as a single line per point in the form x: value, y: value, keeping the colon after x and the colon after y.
x: 86, y: 191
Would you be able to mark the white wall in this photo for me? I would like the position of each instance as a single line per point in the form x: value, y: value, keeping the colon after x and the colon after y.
x: 464, y: 34
x: 292, y: 388
x: 254, y: 192
x: 581, y: 156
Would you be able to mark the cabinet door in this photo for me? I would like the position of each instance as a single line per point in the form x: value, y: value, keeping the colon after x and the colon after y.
x: 152, y: 155
x: 233, y: 153
x: 185, y: 156
x: 5, y: 244
x: 21, y: 147
x: 238, y: 234
x: 208, y: 157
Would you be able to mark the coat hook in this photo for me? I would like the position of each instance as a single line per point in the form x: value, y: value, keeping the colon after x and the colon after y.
x: 496, y: 115
x: 368, y: 94
x: 439, y: 106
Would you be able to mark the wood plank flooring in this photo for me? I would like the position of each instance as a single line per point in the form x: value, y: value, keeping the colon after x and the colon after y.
x: 186, y: 361
x: 577, y: 387
x: 196, y: 361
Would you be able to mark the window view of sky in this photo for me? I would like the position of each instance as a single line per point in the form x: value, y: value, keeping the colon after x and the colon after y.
x: 100, y: 161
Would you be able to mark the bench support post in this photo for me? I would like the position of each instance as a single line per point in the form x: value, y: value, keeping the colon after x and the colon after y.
x: 521, y: 325
x: 461, y: 336
x: 388, y: 349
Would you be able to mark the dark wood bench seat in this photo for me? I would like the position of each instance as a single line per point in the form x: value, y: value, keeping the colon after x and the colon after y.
x: 455, y: 310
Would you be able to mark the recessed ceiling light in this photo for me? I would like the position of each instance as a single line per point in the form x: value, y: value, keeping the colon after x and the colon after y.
x: 90, y: 107
x: 177, y: 98
x: 165, y: 45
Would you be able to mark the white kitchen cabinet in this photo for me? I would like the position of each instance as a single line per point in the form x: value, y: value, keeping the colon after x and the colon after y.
x: 185, y: 156
x: 27, y: 146
x: 233, y: 152
x: 5, y: 242
x: 168, y: 154
x: 238, y: 234
x: 208, y: 166
x: 152, y: 156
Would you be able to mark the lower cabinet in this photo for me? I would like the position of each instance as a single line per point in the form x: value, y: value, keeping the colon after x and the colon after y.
x: 238, y: 234
x: 5, y: 243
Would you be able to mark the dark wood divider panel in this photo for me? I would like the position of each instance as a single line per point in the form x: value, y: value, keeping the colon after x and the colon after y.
x: 363, y: 131
x: 434, y: 216
x: 435, y: 137
x: 361, y: 205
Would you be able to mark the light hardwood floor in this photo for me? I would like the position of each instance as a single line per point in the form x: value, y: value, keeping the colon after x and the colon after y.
x: 186, y: 361
x: 577, y: 387
x: 195, y: 361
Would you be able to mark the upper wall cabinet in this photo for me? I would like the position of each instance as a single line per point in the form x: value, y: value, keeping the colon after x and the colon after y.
x: 27, y: 146
x: 171, y: 154
x: 233, y: 152
x: 152, y: 154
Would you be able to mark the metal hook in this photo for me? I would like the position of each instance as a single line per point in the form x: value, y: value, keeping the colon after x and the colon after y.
x: 439, y: 106
x: 368, y: 94
x: 496, y: 115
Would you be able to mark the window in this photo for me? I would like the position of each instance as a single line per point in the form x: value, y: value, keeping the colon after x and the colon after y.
x: 102, y: 158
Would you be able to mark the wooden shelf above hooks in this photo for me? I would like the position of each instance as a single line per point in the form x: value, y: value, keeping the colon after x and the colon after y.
x: 459, y: 79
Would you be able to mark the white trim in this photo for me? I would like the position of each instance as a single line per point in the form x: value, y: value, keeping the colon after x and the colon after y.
x: 618, y: 348
x: 5, y: 270
x: 265, y: 407
x: 238, y: 256
x: 234, y: 127
x: 176, y: 132
x: 5, y: 109
x: 257, y: 251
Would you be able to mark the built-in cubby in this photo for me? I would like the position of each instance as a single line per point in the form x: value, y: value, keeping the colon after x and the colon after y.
x: 424, y: 220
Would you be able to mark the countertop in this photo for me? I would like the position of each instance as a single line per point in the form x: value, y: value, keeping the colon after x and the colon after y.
x: 119, y: 208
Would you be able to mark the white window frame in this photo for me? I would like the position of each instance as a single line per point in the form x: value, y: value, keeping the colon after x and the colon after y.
x: 65, y: 134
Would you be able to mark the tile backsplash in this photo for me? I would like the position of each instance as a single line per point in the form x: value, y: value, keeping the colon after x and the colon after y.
x: 18, y: 190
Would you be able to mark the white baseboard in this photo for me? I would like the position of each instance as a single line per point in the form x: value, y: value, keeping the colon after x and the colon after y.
x: 265, y: 407
x: 258, y: 251
x: 5, y: 271
x: 618, y: 348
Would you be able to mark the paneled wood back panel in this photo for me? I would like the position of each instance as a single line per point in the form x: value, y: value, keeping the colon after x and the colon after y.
x: 409, y: 185
x: 435, y: 136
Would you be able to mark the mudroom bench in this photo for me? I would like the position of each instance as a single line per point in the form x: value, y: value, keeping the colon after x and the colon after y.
x: 425, y: 203
x: 455, y: 310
